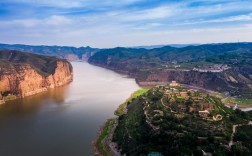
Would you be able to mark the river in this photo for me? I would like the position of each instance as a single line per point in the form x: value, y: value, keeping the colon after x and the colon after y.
x: 65, y: 120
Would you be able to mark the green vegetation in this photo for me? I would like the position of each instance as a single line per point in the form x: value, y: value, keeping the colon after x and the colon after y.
x: 121, y: 109
x: 239, y: 101
x: 244, y: 136
x: 191, y: 65
x: 178, y: 121
x: 106, y: 130
x: 109, y: 125
x: 9, y: 97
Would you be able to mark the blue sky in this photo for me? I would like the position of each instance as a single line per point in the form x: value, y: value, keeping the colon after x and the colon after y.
x: 111, y: 23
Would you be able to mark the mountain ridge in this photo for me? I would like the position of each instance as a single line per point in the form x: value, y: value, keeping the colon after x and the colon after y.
x: 224, y: 67
x: 67, y: 52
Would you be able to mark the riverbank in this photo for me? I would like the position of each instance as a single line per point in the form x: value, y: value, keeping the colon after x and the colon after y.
x: 8, y: 98
x: 101, y: 148
x: 103, y: 144
x: 122, y: 108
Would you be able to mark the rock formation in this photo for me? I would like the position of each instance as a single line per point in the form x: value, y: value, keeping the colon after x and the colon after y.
x: 24, y: 74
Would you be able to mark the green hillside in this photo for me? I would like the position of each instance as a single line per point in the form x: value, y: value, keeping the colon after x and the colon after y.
x: 179, y: 121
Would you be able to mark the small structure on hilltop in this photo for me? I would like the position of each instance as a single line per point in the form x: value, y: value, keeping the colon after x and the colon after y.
x: 174, y: 84
x: 235, y: 107
x: 204, y: 113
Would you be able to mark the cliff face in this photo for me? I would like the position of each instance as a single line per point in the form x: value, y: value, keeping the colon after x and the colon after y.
x: 230, y: 81
x: 213, y: 81
x: 24, y: 79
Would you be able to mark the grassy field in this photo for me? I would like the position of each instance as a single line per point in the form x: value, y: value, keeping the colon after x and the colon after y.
x: 191, y: 65
x: 101, y: 146
x: 239, y: 101
x: 121, y: 109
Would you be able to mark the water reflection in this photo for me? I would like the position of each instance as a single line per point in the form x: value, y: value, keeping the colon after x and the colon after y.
x: 32, y: 104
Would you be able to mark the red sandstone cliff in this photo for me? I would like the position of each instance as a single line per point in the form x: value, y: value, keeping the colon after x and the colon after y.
x: 24, y: 79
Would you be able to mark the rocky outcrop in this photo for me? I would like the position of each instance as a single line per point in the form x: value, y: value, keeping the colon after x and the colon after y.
x: 215, y: 81
x: 71, y: 57
x: 24, y: 79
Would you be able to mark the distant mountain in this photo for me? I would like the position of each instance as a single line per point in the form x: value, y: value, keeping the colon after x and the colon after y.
x: 69, y: 53
x: 224, y: 67
x: 164, y: 45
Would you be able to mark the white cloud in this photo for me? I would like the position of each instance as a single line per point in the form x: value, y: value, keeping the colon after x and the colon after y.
x: 56, y: 20
x: 149, y: 14
x: 239, y: 18
x: 53, y: 20
x: 77, y: 3
x: 109, y: 23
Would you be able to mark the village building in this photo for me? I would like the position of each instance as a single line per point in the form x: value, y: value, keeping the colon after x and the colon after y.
x: 207, y: 106
x: 174, y: 84
x: 204, y: 113
x: 192, y: 90
x: 216, y: 68
x: 168, y: 91
x: 184, y: 94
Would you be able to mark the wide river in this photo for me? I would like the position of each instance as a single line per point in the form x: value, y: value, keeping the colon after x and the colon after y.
x: 65, y: 120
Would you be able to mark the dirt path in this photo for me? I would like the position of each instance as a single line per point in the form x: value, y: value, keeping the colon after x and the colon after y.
x: 112, y: 145
x: 231, y: 142
x: 166, y: 106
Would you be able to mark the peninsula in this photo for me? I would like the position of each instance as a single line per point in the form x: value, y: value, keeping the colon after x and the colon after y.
x: 175, y: 120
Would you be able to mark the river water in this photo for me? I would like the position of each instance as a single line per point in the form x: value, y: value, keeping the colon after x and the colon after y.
x: 65, y: 120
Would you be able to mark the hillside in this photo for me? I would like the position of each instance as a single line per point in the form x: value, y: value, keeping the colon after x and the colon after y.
x: 219, y: 67
x: 24, y: 74
x: 69, y: 53
x: 173, y: 120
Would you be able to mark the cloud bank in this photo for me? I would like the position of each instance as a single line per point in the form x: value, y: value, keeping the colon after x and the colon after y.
x: 111, y: 23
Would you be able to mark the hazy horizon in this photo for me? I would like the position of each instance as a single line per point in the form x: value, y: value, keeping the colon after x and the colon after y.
x: 125, y: 23
x: 137, y: 46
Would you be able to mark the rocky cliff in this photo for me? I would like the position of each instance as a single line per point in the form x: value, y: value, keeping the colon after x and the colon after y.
x: 24, y: 74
